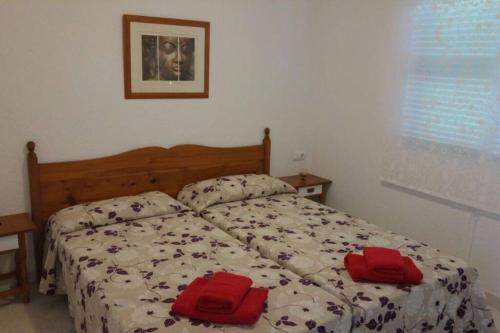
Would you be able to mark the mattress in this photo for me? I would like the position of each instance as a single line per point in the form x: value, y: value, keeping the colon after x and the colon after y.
x: 123, y: 276
x: 311, y: 240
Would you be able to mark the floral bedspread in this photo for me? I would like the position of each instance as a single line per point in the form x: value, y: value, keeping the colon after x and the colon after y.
x: 311, y: 240
x: 124, y: 276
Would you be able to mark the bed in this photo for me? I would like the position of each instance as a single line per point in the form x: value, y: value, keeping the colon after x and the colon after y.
x: 122, y: 263
x: 330, y: 302
x: 122, y: 249
x: 311, y: 240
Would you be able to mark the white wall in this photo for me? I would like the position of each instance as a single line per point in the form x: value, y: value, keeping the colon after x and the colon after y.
x: 61, y: 83
x: 356, y: 87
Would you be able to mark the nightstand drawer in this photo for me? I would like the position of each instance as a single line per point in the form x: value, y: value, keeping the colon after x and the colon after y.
x: 8, y: 243
x: 310, y: 190
x: 309, y: 185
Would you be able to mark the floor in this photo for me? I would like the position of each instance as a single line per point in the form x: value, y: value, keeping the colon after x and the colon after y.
x: 42, y: 315
x: 50, y: 314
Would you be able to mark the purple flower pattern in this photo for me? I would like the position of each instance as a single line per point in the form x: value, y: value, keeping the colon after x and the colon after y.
x: 124, y: 276
x: 311, y: 240
x: 209, y: 192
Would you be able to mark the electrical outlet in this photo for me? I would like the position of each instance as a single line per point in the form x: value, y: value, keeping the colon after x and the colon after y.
x: 298, y: 156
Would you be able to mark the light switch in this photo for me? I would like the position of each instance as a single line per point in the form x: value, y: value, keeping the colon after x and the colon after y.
x: 298, y: 156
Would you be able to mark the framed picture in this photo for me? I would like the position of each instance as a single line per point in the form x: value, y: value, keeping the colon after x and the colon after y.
x: 165, y: 58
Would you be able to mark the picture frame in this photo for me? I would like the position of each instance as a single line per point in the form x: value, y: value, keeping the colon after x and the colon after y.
x: 165, y: 57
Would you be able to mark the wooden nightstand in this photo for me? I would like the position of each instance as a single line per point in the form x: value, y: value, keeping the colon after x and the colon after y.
x: 13, y: 229
x: 310, y: 186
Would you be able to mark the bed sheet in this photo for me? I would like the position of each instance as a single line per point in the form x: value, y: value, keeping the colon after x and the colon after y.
x: 311, y: 240
x: 124, y: 277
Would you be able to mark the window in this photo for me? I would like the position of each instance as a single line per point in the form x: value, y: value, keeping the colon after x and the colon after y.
x: 447, y: 144
x: 453, y: 87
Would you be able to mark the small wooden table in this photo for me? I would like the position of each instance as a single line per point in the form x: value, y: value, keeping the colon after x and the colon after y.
x: 309, y: 186
x: 13, y: 229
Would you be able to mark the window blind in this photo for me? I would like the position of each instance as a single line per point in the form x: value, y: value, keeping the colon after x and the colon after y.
x: 446, y: 142
x: 451, y: 93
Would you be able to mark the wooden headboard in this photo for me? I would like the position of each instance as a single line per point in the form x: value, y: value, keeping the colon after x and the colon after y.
x: 54, y: 186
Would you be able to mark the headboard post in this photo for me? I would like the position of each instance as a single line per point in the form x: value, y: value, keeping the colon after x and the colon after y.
x: 36, y: 209
x: 267, y: 151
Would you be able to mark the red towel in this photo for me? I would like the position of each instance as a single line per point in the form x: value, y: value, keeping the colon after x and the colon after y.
x: 359, y: 272
x: 383, y: 260
x: 223, y: 293
x: 247, y: 313
x: 413, y: 274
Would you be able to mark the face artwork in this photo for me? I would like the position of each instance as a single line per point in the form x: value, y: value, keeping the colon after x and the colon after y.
x: 176, y: 58
x: 149, y: 58
x: 167, y: 58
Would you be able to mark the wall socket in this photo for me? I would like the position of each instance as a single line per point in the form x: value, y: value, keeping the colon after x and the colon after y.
x: 298, y: 156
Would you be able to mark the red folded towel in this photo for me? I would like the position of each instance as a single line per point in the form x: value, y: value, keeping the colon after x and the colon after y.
x: 247, y: 313
x: 359, y: 272
x: 383, y: 260
x: 223, y: 293
x: 413, y: 274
